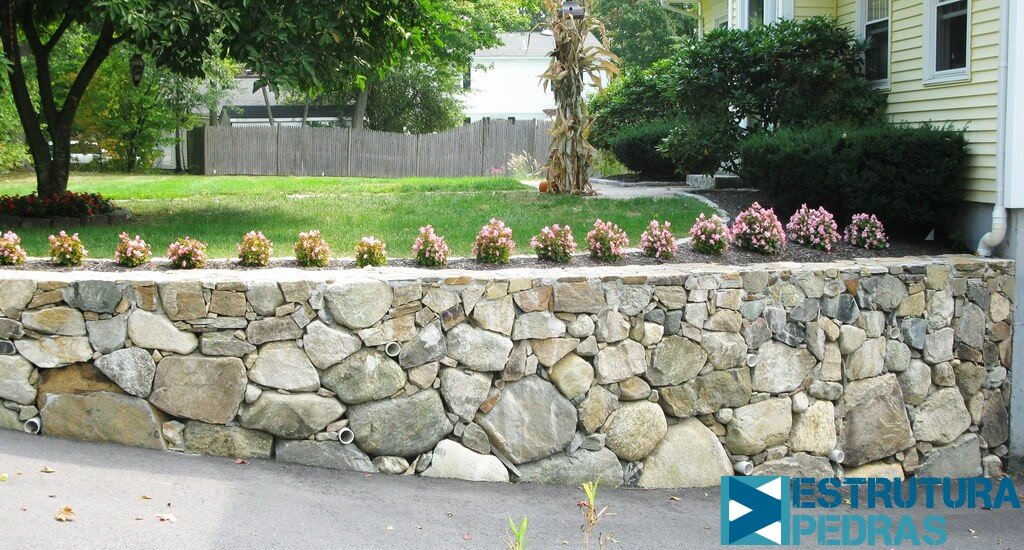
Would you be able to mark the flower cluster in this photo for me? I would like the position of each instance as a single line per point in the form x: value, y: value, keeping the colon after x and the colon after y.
x: 657, y: 241
x: 709, y: 235
x: 758, y: 229
x: 494, y: 244
x: 554, y: 243
x: 496, y: 171
x: 371, y: 251
x: 255, y: 250
x: 430, y: 249
x: 67, y: 250
x: 866, y: 231
x: 187, y: 253
x: 11, y: 252
x: 57, y: 205
x: 132, y: 252
x: 607, y: 241
x: 311, y: 250
x: 813, y: 228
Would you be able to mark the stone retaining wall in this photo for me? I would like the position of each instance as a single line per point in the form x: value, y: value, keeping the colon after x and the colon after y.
x: 657, y: 376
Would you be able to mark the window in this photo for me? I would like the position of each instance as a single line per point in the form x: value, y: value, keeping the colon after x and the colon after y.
x: 755, y: 13
x: 947, y: 40
x: 722, y: 22
x: 876, y: 34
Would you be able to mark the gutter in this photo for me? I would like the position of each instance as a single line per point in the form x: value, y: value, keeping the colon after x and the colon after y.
x: 995, y: 237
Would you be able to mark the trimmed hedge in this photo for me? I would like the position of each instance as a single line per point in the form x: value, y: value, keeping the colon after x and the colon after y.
x: 637, y: 148
x: 909, y: 176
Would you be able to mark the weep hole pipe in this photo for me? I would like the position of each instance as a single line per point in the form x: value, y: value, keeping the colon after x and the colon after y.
x: 33, y: 425
x: 393, y: 349
x: 346, y: 436
x: 995, y: 237
x: 743, y: 468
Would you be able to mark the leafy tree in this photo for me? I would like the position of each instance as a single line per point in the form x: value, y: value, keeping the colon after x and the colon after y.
x: 290, y: 43
x: 13, y: 153
x: 636, y: 97
x: 416, y: 98
x: 642, y: 31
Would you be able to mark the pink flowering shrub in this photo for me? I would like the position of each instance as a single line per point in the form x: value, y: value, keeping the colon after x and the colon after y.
x: 430, y: 249
x: 255, y: 250
x: 758, y: 230
x: 371, y: 251
x: 67, y: 250
x: 606, y: 241
x: 132, y: 252
x: 494, y: 243
x: 311, y: 250
x: 554, y: 243
x: 866, y: 231
x: 813, y: 228
x: 709, y: 235
x: 187, y: 253
x: 11, y: 252
x: 657, y: 241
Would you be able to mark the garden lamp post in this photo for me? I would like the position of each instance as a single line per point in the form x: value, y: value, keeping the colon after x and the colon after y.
x: 137, y: 66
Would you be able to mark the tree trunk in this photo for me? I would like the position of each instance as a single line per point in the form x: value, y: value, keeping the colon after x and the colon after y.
x: 270, y: 111
x: 359, y: 116
x: 305, y: 113
x: 179, y: 160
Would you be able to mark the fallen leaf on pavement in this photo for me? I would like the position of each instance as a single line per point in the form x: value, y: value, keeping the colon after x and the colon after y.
x: 674, y: 498
x: 240, y: 461
x: 47, y: 470
x: 138, y: 518
x: 65, y: 514
x: 145, y: 497
x: 3, y: 477
x: 53, y: 496
x: 467, y: 536
x: 169, y: 518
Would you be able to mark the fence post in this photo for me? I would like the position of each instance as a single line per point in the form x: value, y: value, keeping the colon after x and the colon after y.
x: 348, y: 156
x: 485, y: 126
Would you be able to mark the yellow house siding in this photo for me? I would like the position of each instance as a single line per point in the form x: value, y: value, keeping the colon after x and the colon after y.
x: 970, y: 104
x: 710, y: 11
x: 803, y: 9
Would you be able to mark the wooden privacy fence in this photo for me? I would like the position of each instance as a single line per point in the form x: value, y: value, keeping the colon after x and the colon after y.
x: 472, y: 150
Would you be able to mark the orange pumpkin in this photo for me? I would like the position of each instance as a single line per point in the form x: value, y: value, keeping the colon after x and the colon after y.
x: 544, y: 186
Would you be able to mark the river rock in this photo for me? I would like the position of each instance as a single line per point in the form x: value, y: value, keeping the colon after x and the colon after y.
x: 132, y: 369
x: 464, y: 391
x: 619, y: 362
x: 358, y: 302
x: 200, y: 388
x: 61, y: 321
x: 264, y: 297
x: 95, y: 296
x: 814, y: 431
x: 478, y: 349
x: 57, y: 351
x: 296, y: 416
x: 708, y: 393
x: 676, y: 360
x: 327, y: 346
x: 285, y: 366
x: 364, y: 376
x: 531, y: 420
x: 108, y: 335
x: 405, y: 426
x: 760, y: 425
x: 575, y: 469
x: 942, y: 417
x: 15, y: 376
x: 227, y: 441
x: 103, y: 417
x: 635, y: 429
x: 875, y: 424
x: 453, y: 461
x: 537, y: 325
x: 428, y: 346
x: 154, y: 331
x: 690, y: 455
x: 781, y: 368
x: 595, y: 409
x: 572, y: 375
x: 324, y: 454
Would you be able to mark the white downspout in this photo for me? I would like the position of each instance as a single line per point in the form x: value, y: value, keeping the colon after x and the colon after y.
x: 695, y: 15
x: 995, y: 237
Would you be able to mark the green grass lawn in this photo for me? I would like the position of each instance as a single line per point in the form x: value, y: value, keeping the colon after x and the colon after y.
x: 219, y: 210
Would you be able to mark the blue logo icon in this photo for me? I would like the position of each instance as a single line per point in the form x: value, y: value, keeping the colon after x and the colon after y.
x: 755, y: 510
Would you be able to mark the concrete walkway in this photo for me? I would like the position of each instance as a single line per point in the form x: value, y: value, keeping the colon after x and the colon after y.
x: 222, y: 505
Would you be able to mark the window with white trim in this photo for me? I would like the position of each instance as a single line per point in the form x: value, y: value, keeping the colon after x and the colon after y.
x: 875, y: 31
x: 947, y: 40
